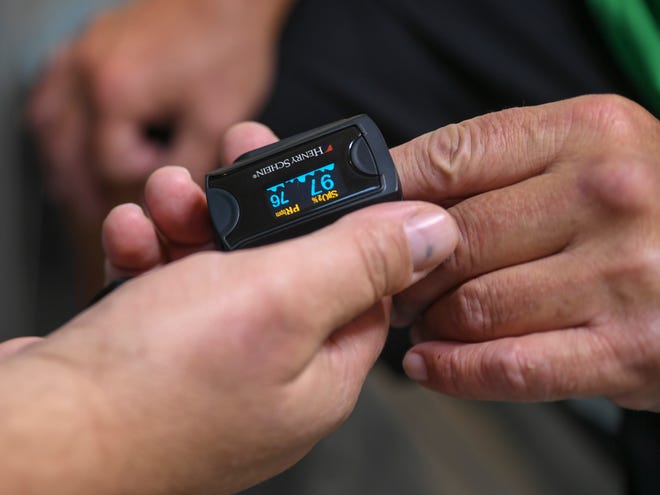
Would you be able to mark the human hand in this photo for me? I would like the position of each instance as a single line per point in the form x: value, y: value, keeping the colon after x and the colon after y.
x: 554, y: 288
x: 151, y: 83
x: 177, y: 223
x: 218, y: 370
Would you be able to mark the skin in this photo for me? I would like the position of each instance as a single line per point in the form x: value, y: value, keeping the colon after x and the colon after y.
x: 552, y: 292
x: 554, y: 288
x: 218, y: 370
x: 151, y: 83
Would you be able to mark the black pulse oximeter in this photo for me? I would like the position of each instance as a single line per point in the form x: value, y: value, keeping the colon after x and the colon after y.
x: 301, y: 184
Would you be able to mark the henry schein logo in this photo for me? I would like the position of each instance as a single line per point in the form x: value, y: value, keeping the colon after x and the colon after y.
x: 292, y: 160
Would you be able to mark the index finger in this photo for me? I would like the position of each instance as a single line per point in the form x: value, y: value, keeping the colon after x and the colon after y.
x: 503, y: 148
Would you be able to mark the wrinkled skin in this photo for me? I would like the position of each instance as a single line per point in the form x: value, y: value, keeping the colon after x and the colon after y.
x: 554, y: 288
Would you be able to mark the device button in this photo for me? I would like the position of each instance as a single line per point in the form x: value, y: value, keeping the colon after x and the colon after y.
x: 224, y: 211
x: 362, y: 158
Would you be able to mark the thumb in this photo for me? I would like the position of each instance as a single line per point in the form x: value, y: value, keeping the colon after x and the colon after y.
x: 328, y: 278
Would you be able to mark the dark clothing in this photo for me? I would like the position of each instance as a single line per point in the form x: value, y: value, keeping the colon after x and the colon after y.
x: 416, y: 65
x: 640, y: 443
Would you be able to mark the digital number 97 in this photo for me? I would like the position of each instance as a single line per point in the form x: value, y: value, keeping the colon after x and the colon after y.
x: 326, y: 183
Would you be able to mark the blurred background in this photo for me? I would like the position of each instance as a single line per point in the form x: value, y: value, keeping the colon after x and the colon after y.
x: 412, y: 66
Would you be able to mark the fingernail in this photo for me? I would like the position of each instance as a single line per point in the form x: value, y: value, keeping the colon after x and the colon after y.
x: 431, y: 237
x: 415, y: 367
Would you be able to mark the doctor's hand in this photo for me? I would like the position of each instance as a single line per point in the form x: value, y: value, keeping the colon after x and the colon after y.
x: 214, y: 371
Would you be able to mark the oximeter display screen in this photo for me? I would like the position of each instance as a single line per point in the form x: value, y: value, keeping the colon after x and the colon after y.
x: 293, y: 187
x: 305, y: 191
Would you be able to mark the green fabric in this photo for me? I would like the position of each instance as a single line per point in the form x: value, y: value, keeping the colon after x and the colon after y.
x: 632, y: 28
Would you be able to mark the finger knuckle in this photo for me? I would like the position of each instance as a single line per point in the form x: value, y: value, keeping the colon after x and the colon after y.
x: 611, y: 118
x: 517, y: 371
x: 446, y: 149
x: 623, y: 183
x: 471, y: 311
x: 633, y: 273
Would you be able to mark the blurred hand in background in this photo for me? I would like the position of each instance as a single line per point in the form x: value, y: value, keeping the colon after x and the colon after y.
x: 151, y: 83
